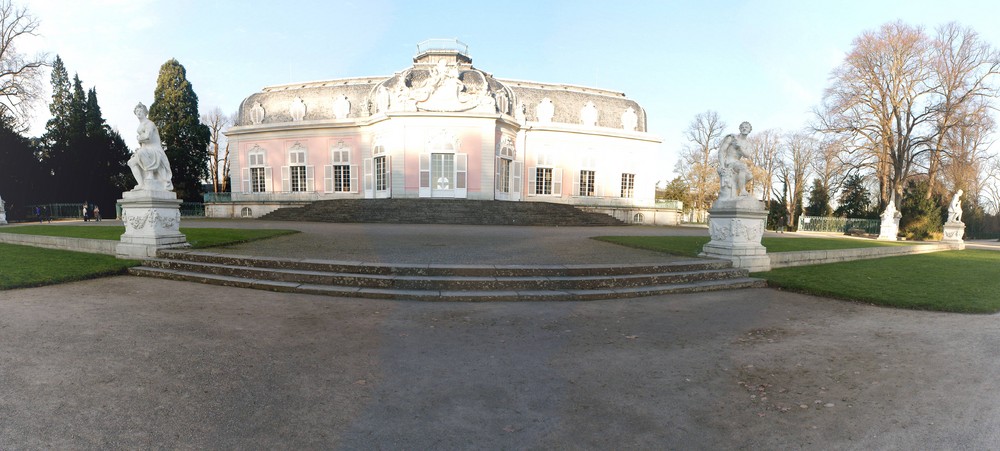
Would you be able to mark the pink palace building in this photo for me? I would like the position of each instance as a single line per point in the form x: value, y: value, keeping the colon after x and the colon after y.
x: 442, y: 129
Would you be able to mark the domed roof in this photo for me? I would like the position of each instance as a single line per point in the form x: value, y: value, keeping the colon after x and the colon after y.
x: 442, y: 79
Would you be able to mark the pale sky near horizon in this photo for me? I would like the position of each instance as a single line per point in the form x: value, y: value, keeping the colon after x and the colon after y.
x: 762, y: 61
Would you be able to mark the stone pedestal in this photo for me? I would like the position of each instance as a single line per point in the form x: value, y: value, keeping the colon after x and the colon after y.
x: 152, y: 222
x: 737, y: 226
x: 889, y: 229
x: 954, y: 231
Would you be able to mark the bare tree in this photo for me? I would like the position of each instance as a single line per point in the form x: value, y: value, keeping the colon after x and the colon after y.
x: 965, y: 165
x: 828, y: 166
x: 764, y: 150
x: 793, y: 170
x: 696, y: 164
x: 20, y: 75
x: 963, y: 65
x: 218, y: 147
x: 880, y: 103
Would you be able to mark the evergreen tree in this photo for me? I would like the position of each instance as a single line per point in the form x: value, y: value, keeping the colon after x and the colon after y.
x: 82, y: 157
x: 923, y: 215
x: 855, y: 201
x: 185, y: 139
x: 20, y: 171
x: 677, y: 189
x: 819, y: 200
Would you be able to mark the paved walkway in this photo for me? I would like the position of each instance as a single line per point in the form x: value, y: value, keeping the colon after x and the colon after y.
x: 128, y: 362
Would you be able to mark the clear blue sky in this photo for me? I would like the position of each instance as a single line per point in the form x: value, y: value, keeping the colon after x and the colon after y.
x: 762, y: 61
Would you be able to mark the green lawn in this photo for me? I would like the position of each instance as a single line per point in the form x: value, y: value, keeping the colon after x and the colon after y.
x: 965, y: 281
x: 26, y: 266
x: 956, y: 281
x: 197, y: 237
x: 690, y: 246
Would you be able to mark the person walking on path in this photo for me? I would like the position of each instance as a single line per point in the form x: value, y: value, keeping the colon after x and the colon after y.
x: 86, y: 213
x: 97, y: 213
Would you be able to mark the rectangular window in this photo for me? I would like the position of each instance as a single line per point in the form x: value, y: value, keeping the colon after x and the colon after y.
x: 381, y: 174
x: 257, y: 184
x: 586, y: 183
x: 503, y: 175
x: 342, y: 178
x: 628, y: 185
x: 298, y: 178
x: 543, y: 181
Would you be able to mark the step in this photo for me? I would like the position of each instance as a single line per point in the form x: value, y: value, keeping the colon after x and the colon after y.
x: 461, y: 282
x: 419, y: 269
x: 449, y: 295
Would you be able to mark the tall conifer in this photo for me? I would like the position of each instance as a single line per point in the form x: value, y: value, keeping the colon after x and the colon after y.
x: 185, y: 139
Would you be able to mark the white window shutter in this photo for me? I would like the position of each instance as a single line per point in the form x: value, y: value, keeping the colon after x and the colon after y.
x: 310, y: 179
x: 557, y: 182
x: 369, y: 180
x: 246, y: 180
x: 328, y: 178
x: 286, y: 185
x: 268, y: 184
x: 354, y: 178
x: 576, y: 184
x: 517, y: 168
x: 424, y: 188
x: 388, y: 174
x: 532, y: 177
x: 461, y: 175
x: 496, y: 174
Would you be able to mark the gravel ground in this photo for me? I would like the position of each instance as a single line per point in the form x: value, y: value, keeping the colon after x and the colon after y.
x: 128, y: 362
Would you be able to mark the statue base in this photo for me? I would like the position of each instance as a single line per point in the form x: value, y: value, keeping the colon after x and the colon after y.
x: 152, y: 222
x: 737, y: 225
x: 889, y: 230
x: 954, y: 231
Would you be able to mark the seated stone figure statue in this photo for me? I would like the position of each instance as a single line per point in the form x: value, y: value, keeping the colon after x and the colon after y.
x: 149, y: 164
x: 955, y: 208
x: 733, y: 172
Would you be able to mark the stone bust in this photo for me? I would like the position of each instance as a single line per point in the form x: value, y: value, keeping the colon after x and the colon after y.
x: 733, y: 171
x: 149, y: 163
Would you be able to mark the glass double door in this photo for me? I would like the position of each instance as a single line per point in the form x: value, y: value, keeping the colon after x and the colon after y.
x: 442, y: 175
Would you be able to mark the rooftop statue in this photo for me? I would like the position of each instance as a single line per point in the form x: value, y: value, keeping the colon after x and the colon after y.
x: 733, y: 172
x: 149, y: 163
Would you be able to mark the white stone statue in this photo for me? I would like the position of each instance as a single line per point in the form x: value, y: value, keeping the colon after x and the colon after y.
x: 955, y: 208
x: 545, y: 110
x: 502, y: 101
x: 341, y: 107
x: 257, y: 114
x: 889, y: 228
x: 520, y: 113
x: 588, y: 114
x: 630, y: 120
x: 381, y: 100
x: 443, y: 91
x: 297, y: 110
x: 149, y: 164
x: 733, y: 172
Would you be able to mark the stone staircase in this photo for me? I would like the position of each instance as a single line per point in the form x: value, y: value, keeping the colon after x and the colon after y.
x: 428, y: 282
x: 442, y: 211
